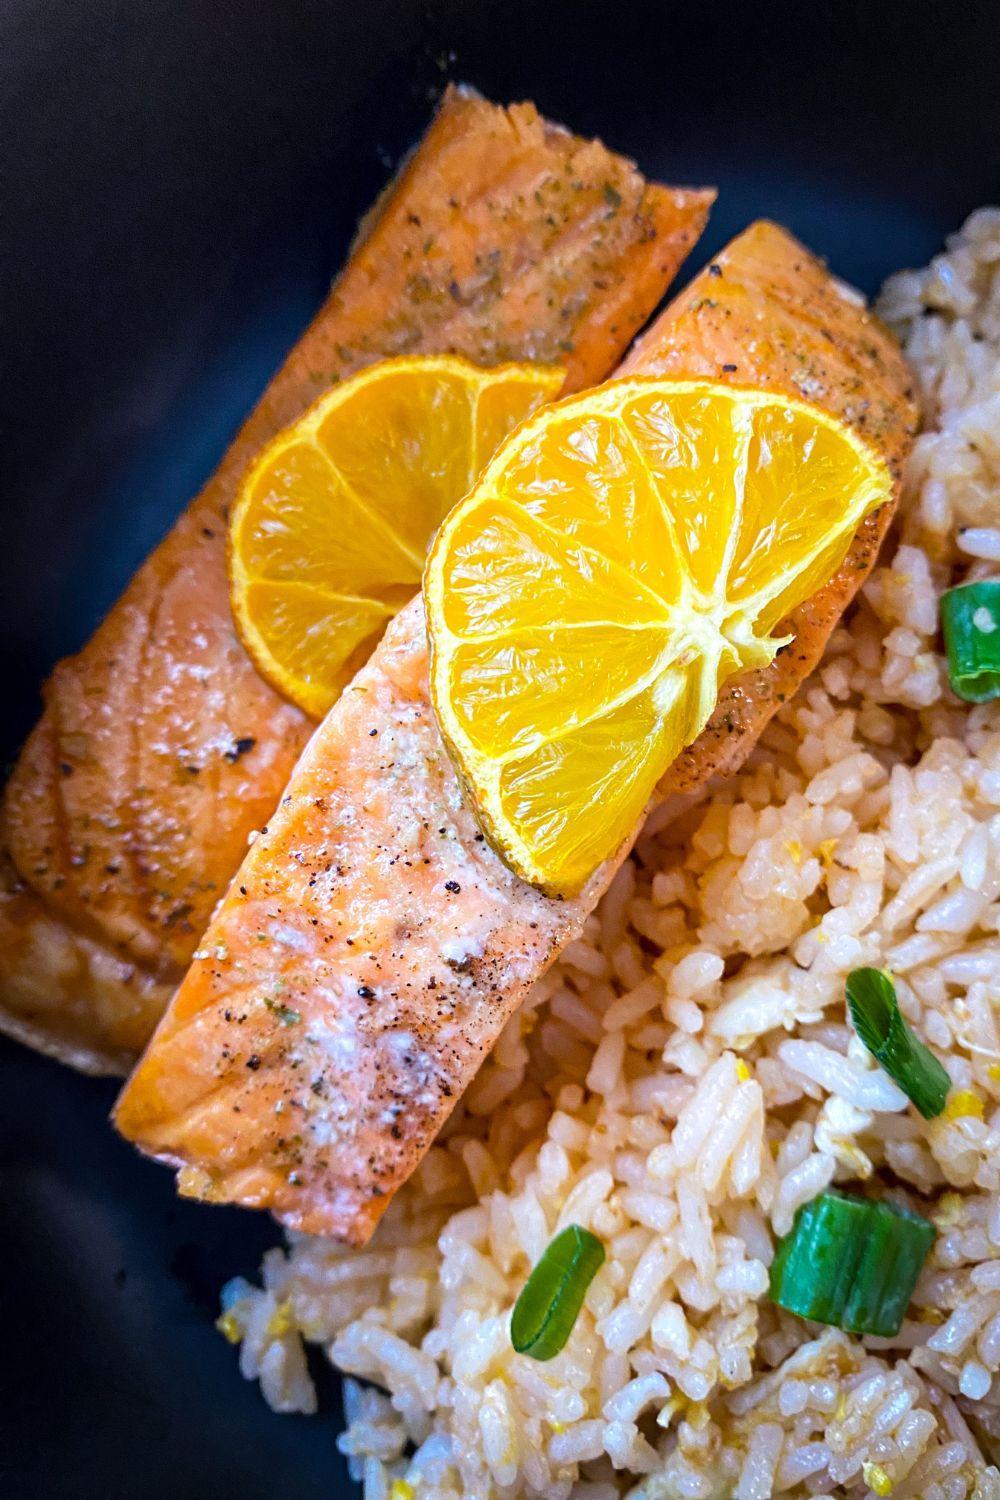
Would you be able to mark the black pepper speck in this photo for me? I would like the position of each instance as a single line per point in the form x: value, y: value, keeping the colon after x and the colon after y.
x: 239, y: 747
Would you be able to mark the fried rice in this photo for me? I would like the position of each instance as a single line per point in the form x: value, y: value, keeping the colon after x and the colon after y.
x: 685, y: 1078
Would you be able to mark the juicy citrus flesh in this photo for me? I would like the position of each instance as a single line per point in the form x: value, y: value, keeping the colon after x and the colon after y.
x: 623, y: 554
x: 331, y: 523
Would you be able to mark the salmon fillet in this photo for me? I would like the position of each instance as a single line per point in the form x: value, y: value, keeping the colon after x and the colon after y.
x: 372, y: 945
x: 161, y: 748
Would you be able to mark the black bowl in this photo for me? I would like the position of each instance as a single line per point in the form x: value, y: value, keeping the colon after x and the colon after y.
x: 183, y: 181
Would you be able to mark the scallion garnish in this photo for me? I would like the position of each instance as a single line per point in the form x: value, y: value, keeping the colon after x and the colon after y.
x: 970, y: 618
x: 553, y: 1294
x: 852, y: 1262
x: 871, y: 998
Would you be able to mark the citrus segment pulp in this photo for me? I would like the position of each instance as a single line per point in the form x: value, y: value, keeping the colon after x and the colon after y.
x: 624, y: 553
x: 331, y: 522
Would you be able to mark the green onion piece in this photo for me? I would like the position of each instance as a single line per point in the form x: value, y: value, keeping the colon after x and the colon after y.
x: 970, y: 618
x: 553, y: 1294
x: 852, y: 1262
x: 871, y: 998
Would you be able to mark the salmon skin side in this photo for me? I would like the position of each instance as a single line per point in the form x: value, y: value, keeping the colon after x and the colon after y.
x: 161, y: 748
x: 373, y: 946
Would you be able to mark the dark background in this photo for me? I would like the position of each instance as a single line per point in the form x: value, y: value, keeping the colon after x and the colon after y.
x: 180, y: 184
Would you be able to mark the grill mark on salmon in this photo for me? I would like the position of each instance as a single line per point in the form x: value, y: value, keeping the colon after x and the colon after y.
x: 372, y: 946
x: 504, y: 238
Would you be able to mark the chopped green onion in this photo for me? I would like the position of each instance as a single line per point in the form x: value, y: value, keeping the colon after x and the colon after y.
x: 871, y: 998
x: 553, y: 1294
x: 852, y: 1262
x: 970, y: 618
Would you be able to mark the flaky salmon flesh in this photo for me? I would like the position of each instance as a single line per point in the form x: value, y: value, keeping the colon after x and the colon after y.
x: 372, y: 945
x: 161, y: 748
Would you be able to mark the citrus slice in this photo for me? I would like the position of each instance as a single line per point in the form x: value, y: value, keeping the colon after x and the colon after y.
x: 624, y: 553
x: 330, y: 526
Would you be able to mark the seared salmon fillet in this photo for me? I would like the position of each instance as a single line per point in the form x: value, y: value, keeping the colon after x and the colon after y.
x: 372, y: 945
x: 161, y: 748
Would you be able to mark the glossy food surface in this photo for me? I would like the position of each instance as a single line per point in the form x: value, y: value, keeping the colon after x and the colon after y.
x: 373, y: 904
x: 161, y: 746
x: 188, y: 182
x: 330, y: 527
x: 625, y: 553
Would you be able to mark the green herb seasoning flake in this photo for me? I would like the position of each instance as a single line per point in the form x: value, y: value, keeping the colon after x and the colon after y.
x: 284, y: 1013
x: 871, y: 1000
x: 550, y: 1302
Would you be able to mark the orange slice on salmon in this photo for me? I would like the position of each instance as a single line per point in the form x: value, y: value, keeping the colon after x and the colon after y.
x: 625, y: 552
x: 330, y: 527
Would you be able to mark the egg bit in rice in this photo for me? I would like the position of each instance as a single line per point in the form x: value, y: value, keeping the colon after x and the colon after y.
x: 720, y: 1215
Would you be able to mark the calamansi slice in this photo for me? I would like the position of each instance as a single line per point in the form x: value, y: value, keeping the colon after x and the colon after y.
x: 624, y: 553
x: 331, y: 523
